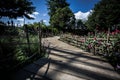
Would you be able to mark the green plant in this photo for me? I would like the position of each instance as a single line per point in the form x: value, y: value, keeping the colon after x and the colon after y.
x: 20, y: 55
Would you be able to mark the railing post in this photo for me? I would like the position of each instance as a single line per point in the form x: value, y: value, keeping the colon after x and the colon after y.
x: 39, y: 35
x: 28, y: 41
x: 108, y: 35
x: 1, y: 52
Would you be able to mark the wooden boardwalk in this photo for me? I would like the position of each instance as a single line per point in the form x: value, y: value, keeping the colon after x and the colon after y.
x: 67, y: 62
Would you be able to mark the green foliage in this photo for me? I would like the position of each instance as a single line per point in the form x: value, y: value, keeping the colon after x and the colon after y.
x: 79, y: 24
x: 8, y: 30
x: 46, y: 30
x: 53, y: 5
x: 20, y: 55
x: 91, y: 23
x: 6, y: 48
x: 16, y: 8
x: 105, y: 14
x: 61, y: 17
x: 54, y: 30
x: 21, y: 51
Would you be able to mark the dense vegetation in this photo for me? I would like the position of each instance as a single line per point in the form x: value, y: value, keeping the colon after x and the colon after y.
x: 61, y: 17
x: 16, y: 8
x: 18, y: 45
x: 105, y: 15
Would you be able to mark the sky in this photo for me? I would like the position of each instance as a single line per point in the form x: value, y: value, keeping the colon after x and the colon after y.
x: 80, y: 8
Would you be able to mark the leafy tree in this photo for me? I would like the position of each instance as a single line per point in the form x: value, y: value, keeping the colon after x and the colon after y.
x: 105, y: 14
x: 91, y: 24
x: 61, y: 16
x: 53, y: 5
x: 79, y: 24
x: 16, y: 8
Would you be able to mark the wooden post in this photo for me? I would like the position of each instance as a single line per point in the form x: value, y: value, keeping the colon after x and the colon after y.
x: 108, y: 38
x: 24, y: 24
x: 49, y: 51
x: 39, y: 35
x: 108, y: 35
x: 95, y: 33
x: 28, y: 41
x: 85, y: 39
x: 1, y: 51
x: 95, y: 38
x: 94, y: 49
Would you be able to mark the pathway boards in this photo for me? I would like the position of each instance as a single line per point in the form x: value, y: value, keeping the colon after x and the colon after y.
x: 67, y: 62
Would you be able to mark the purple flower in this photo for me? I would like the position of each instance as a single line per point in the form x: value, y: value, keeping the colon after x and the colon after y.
x: 118, y: 66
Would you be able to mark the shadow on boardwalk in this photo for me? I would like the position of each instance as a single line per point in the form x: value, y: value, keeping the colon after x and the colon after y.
x: 68, y: 64
x: 90, y: 67
x: 30, y: 71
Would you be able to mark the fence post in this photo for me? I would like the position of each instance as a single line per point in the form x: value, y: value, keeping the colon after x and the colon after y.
x: 28, y: 41
x: 94, y: 47
x: 1, y: 52
x: 108, y: 35
x: 95, y: 38
x: 108, y: 38
x: 39, y: 35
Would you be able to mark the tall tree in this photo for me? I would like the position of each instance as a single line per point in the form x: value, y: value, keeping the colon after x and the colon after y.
x: 53, y: 5
x: 61, y: 16
x: 79, y: 24
x: 105, y: 14
x: 16, y: 8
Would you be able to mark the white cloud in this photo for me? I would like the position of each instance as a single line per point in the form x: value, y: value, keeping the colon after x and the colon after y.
x: 44, y: 21
x: 32, y: 16
x: 35, y: 13
x: 81, y: 15
x: 20, y: 19
x: 45, y: 14
x: 19, y: 25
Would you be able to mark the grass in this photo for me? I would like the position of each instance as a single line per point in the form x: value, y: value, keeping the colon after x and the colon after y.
x: 14, y: 50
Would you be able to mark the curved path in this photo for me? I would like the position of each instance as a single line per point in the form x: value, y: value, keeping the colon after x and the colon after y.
x: 67, y: 62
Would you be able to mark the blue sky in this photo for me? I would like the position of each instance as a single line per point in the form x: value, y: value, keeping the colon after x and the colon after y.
x: 82, y: 5
x: 81, y: 9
